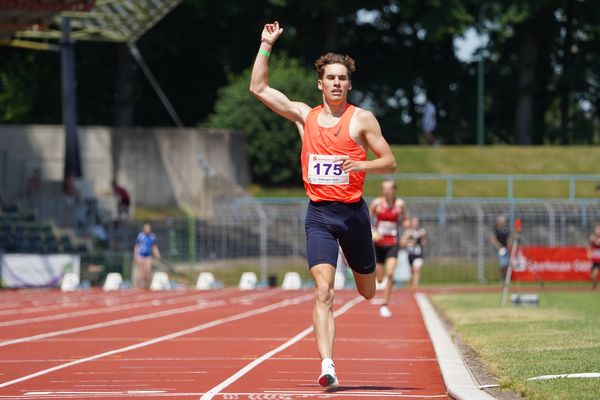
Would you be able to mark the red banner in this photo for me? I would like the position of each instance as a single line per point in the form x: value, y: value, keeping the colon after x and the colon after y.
x: 551, y: 264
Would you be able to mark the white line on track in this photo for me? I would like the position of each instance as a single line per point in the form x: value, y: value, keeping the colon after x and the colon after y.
x: 215, y: 390
x: 80, y: 313
x: 238, y: 396
x: 137, y: 318
x: 174, y: 335
x: 94, y: 311
x: 359, y: 392
x: 105, y: 324
x: 40, y: 301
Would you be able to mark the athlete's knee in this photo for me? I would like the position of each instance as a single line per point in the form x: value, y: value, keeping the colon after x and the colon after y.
x: 323, y: 293
x: 368, y: 294
x: 367, y: 290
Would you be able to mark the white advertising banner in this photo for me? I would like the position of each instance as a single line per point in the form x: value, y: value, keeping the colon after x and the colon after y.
x: 31, y: 270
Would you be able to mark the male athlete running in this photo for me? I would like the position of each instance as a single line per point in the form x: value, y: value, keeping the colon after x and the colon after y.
x: 335, y: 138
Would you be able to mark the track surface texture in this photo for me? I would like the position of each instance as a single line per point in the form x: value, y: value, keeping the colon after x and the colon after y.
x: 224, y: 344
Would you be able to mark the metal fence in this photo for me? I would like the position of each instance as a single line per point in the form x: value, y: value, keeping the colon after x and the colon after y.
x: 458, y: 232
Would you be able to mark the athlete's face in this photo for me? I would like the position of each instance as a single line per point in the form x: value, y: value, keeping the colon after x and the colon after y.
x: 388, y: 189
x: 597, y: 230
x: 335, y: 83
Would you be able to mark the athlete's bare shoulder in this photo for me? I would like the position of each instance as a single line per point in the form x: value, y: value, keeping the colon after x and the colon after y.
x: 364, y: 116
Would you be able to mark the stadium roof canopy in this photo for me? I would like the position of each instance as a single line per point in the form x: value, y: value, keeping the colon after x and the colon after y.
x: 32, y: 23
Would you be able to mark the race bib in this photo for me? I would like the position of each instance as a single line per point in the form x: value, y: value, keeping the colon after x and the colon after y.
x: 415, y: 250
x: 387, y: 228
x: 326, y: 170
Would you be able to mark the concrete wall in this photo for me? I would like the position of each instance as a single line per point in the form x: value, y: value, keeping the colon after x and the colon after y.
x: 159, y: 166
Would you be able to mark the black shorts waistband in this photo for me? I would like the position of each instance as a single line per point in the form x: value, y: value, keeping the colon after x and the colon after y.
x: 325, y: 203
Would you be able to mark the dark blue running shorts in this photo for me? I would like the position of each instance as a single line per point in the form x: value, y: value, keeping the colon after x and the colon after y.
x: 330, y: 222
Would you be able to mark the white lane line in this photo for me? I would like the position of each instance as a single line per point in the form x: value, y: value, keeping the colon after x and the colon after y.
x: 94, y: 392
x: 145, y: 301
x: 215, y: 390
x: 347, y: 391
x: 137, y: 318
x: 174, y: 335
x: 244, y: 395
x: 81, y: 313
x: 67, y: 299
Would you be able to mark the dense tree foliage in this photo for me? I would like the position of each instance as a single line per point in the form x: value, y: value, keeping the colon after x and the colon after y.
x: 541, y: 65
x: 273, y: 142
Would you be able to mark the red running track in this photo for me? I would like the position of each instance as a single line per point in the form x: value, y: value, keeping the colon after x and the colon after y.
x: 225, y: 344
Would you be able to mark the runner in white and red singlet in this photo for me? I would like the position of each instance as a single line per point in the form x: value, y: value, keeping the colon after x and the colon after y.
x: 388, y: 213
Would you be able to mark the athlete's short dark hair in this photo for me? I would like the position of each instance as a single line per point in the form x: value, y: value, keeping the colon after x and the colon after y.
x: 334, y: 58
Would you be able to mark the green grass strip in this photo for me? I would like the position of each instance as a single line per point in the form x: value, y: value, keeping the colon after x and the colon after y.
x: 560, y: 336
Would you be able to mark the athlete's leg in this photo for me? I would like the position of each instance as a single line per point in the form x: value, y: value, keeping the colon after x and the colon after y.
x: 145, y: 272
x: 595, y: 277
x: 415, y: 273
x: 357, y: 244
x: 390, y: 266
x: 379, y: 272
x: 137, y: 277
x: 323, y: 323
x: 365, y: 284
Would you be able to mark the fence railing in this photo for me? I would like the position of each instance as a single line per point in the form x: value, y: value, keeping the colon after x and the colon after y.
x: 260, y: 232
x: 567, y: 185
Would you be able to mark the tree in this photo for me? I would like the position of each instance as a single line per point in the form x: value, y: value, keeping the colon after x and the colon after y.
x: 273, y: 142
x: 541, y: 69
x: 29, y: 86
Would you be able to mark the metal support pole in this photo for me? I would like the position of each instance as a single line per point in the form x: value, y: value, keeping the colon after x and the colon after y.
x: 69, y: 102
x: 480, y: 244
x: 510, y: 188
x: 572, y: 190
x: 448, y: 187
x: 135, y: 53
x: 480, y: 103
x: 264, y: 261
x: 191, y: 241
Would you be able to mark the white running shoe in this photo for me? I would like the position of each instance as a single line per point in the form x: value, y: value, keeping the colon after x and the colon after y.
x: 328, y: 378
x: 385, y: 312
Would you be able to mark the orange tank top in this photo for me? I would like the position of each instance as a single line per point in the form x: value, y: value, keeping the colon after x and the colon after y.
x: 322, y: 147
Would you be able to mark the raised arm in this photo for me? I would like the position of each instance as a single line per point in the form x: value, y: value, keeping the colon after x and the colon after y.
x: 259, y: 82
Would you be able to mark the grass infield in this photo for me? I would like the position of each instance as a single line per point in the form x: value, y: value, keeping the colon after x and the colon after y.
x: 560, y: 336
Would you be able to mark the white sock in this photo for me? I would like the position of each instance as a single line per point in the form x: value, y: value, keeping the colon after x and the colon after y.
x: 326, y: 363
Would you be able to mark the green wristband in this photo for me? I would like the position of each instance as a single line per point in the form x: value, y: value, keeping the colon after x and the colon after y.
x: 264, y: 52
